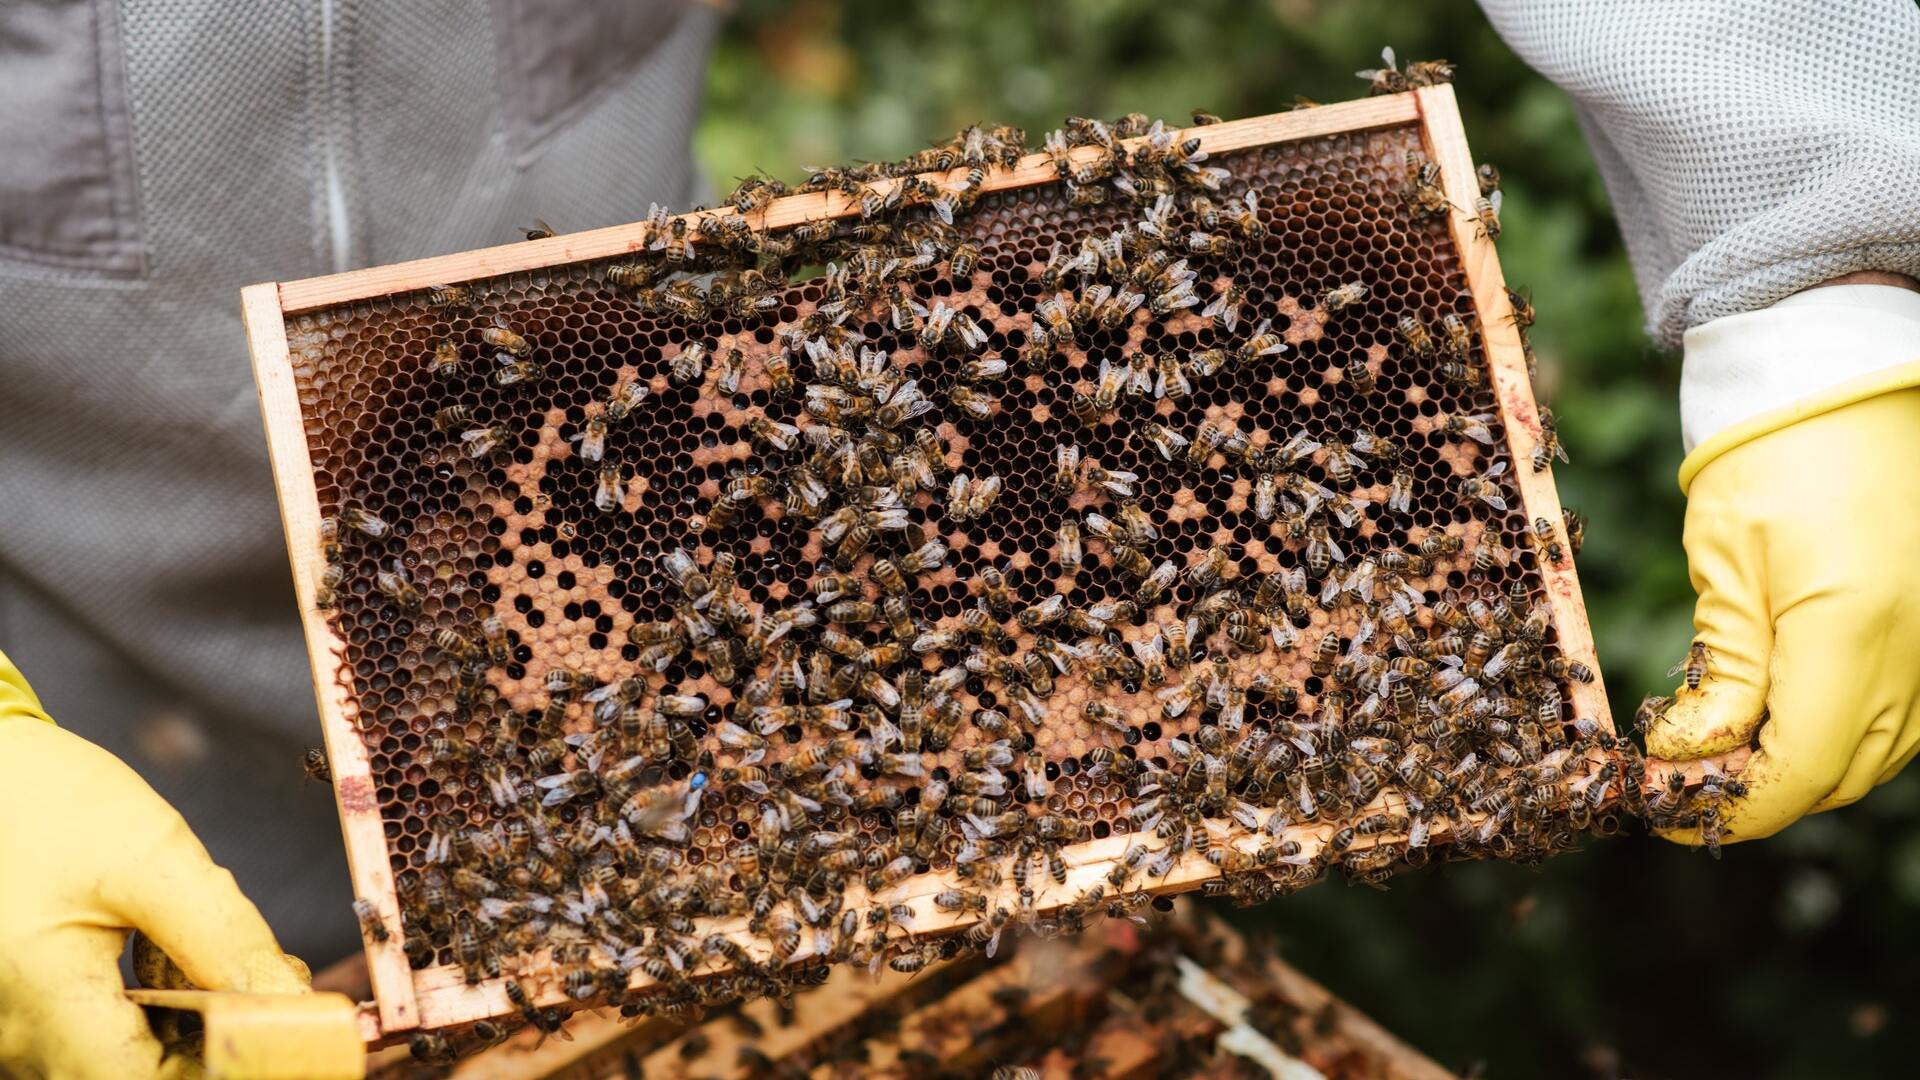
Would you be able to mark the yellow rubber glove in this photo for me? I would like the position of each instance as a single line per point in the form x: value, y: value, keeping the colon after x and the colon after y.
x: 1803, y: 543
x: 87, y: 852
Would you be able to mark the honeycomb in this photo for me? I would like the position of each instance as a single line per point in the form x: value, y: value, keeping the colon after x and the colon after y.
x: 494, y: 587
x: 1128, y: 999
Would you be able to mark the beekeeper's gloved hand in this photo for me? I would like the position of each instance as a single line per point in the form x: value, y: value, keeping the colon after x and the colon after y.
x: 87, y: 852
x: 1803, y: 541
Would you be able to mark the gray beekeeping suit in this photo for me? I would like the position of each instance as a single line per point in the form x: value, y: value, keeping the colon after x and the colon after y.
x: 154, y: 158
x: 1752, y: 148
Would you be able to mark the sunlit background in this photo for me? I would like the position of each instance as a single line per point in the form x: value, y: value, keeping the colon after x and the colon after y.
x: 1630, y: 958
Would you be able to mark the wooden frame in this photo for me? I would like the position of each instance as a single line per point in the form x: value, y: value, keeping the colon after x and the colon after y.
x: 1041, y: 995
x: 437, y: 998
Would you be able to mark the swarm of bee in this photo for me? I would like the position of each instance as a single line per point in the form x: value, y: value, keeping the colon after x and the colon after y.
x: 1177, y: 994
x: 1337, y: 681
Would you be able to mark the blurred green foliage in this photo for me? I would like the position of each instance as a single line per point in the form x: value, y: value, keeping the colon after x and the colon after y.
x: 1632, y: 958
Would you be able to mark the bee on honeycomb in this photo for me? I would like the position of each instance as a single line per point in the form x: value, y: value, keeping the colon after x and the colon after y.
x: 677, y: 588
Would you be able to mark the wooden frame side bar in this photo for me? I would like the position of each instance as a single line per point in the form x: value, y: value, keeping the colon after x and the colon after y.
x: 353, y: 787
x: 1446, y: 141
x: 309, y: 294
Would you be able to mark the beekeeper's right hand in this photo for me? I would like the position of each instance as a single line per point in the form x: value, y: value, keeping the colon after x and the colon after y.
x: 89, y: 852
x: 1803, y: 542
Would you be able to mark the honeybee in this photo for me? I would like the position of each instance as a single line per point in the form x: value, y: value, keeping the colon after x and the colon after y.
x: 1217, y: 245
x: 1459, y: 338
x: 314, y: 763
x: 1115, y: 482
x: 1414, y: 333
x: 1341, y: 462
x: 1695, y: 666
x: 326, y: 591
x: 371, y: 924
x: 445, y: 362
x: 1264, y: 342
x: 689, y: 366
x: 1266, y: 490
x: 609, y: 489
x: 393, y: 584
x: 1400, y: 492
x: 964, y: 260
x: 539, y: 230
x: 1224, y: 308
x: 1068, y: 546
x: 755, y: 193
x: 1244, y: 215
x: 1522, y: 310
x: 510, y: 370
x: 1459, y: 372
x: 592, y: 439
x: 1487, y: 209
x: 505, y: 338
x: 624, y: 399
x: 1387, y: 78
x: 1549, y: 446
x: 773, y: 433
x: 1322, y: 551
x: 1474, y: 427
x: 1487, y: 487
x: 449, y: 297
x: 431, y: 1048
x: 1652, y: 709
x: 1156, y: 584
x: 1341, y: 297
x: 1543, y: 535
x: 362, y: 521
x: 1576, y: 523
x: 675, y: 242
x: 969, y: 498
x: 970, y: 401
x: 732, y: 367
x: 779, y: 367
x: 633, y: 275
x: 1429, y: 72
x: 1423, y: 192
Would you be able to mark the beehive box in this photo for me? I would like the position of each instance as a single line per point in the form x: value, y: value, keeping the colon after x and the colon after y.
x: 1182, y: 995
x: 351, y: 396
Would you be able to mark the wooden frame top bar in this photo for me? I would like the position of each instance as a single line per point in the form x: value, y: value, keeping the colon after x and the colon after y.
x: 309, y: 294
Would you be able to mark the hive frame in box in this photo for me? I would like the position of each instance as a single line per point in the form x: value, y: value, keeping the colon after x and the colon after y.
x: 437, y: 997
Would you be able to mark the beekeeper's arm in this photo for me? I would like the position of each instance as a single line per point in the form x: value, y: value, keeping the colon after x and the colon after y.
x: 1756, y: 154
x: 87, y: 852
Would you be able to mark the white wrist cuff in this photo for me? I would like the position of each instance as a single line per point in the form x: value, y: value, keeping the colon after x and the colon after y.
x: 1742, y: 366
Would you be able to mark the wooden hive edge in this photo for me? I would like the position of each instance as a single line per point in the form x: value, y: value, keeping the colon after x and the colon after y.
x: 1446, y: 141
x: 309, y: 294
x: 1506, y: 357
x: 353, y: 786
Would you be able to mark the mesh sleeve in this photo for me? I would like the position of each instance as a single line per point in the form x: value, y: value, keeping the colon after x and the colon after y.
x: 1751, y: 149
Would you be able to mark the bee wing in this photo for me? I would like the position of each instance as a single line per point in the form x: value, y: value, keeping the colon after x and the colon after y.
x: 1495, y: 200
x: 1674, y: 671
x: 1388, y: 58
